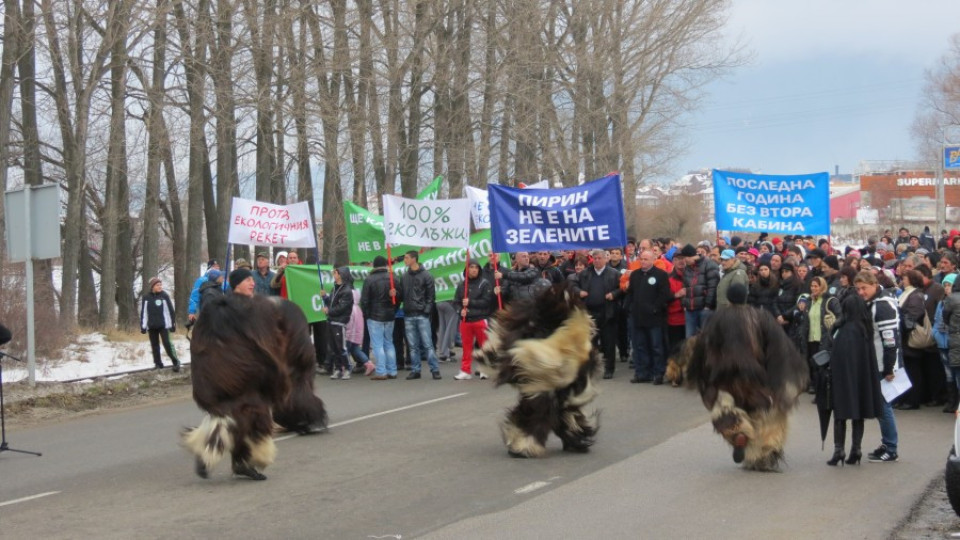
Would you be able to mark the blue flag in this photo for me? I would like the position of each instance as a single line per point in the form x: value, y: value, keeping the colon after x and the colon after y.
x: 784, y: 204
x: 582, y: 217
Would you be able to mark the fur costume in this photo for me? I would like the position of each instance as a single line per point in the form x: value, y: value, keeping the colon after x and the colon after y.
x: 749, y: 376
x: 252, y: 363
x: 543, y: 347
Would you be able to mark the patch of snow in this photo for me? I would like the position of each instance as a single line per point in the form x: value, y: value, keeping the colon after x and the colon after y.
x: 94, y: 356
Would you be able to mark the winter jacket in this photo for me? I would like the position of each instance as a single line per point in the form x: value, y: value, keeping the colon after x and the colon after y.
x: 675, y: 315
x: 194, y: 306
x: 736, y: 274
x: 482, y: 300
x: 886, y: 331
x: 340, y: 300
x: 854, y: 378
x: 648, y: 296
x: 418, y: 292
x: 912, y: 312
x: 209, y: 289
x: 375, y: 298
x: 801, y: 320
x: 355, y: 326
x: 951, y: 318
x: 763, y: 295
x: 550, y: 272
x: 263, y: 283
x: 787, y: 298
x: 520, y: 284
x: 156, y: 312
x: 611, y: 284
x: 701, y: 282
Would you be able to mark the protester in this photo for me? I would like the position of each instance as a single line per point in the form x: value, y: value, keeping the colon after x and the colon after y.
x: 700, y: 281
x: 886, y: 338
x: 599, y: 288
x: 476, y: 300
x: 378, y: 303
x: 338, y: 308
x: 419, y: 296
x: 647, y: 297
x: 194, y: 307
x: 264, y: 275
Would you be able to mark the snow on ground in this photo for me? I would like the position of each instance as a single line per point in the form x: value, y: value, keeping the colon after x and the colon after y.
x: 93, y: 356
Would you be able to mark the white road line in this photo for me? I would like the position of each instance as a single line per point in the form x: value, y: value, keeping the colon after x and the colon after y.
x: 533, y: 486
x: 374, y: 415
x: 30, y: 498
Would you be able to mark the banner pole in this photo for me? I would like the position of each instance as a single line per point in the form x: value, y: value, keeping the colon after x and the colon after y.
x: 466, y: 282
x: 227, y: 265
x: 393, y: 289
x: 495, y: 262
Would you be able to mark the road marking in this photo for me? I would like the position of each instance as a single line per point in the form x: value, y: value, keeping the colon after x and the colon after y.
x: 533, y: 486
x: 30, y: 498
x: 374, y: 415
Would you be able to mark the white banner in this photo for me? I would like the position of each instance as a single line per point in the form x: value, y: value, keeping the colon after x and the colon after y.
x: 479, y: 207
x: 266, y: 224
x: 443, y: 223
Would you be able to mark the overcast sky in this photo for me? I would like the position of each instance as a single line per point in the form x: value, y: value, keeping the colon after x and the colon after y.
x: 830, y: 83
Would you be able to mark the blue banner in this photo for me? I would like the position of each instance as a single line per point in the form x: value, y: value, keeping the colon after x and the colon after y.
x: 784, y: 204
x: 951, y: 157
x: 583, y: 217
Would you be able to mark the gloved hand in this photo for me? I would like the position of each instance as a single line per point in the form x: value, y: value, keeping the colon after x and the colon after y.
x: 143, y: 330
x: 173, y: 329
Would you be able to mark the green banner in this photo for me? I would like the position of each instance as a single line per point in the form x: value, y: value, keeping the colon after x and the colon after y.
x: 446, y: 265
x: 365, y: 238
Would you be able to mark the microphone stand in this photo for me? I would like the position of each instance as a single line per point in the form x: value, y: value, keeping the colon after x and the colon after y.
x: 4, y: 447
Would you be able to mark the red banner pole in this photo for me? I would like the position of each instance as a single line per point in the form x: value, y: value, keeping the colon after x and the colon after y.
x: 393, y: 289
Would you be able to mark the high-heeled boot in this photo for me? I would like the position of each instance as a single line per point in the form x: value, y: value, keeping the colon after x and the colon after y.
x: 839, y: 436
x: 855, y: 452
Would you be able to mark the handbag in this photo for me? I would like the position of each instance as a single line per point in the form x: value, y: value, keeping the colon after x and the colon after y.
x: 921, y: 337
x: 821, y: 357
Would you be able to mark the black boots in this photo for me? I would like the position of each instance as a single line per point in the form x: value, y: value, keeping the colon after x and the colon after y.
x: 838, y: 456
x: 951, y: 406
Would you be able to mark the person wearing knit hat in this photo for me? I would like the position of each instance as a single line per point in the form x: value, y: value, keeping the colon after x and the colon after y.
x: 280, y: 259
x: 241, y: 282
x: 158, y: 318
x: 688, y: 251
x: 737, y: 294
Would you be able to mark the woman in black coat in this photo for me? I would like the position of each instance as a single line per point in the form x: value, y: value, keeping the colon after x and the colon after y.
x: 855, y: 377
x: 765, y: 290
x: 790, y: 288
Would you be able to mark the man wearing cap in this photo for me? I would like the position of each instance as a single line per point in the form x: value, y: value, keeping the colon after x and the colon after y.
x: 733, y: 272
x: 194, y: 307
x: 158, y: 318
x: 699, y: 293
x: 263, y: 276
x: 243, y: 263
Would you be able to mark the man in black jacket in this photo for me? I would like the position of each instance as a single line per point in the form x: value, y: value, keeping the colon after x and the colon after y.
x: 339, y: 307
x: 419, y: 295
x: 378, y: 303
x: 599, y: 287
x: 648, y: 294
x: 700, y: 280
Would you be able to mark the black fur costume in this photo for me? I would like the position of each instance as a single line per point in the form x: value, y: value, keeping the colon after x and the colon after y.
x: 543, y: 347
x: 252, y: 363
x: 749, y: 376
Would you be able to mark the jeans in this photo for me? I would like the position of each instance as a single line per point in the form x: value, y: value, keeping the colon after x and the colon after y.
x: 419, y: 337
x: 356, y: 352
x: 381, y: 346
x: 888, y: 427
x: 648, y: 358
x: 945, y: 360
x: 695, y: 320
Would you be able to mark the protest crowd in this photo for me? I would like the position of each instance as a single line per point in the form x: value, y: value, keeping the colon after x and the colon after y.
x: 647, y: 297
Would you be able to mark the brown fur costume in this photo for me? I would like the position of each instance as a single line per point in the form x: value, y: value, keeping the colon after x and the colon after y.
x: 543, y: 347
x: 252, y: 362
x: 749, y: 376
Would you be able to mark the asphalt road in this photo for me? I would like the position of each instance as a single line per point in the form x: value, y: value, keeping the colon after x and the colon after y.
x: 424, y: 458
